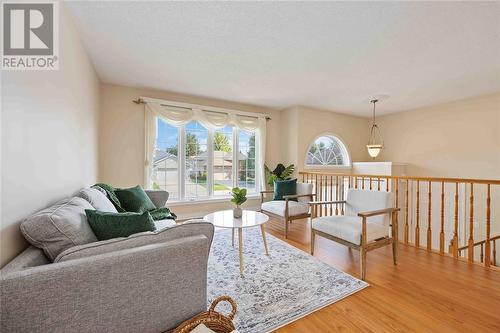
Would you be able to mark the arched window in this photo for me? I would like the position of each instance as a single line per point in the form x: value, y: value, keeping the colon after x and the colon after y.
x: 327, y: 150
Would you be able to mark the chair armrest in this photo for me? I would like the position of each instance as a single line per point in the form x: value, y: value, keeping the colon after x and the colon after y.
x: 262, y: 195
x: 317, y: 203
x: 378, y: 212
x: 167, y: 282
x: 294, y: 196
x: 159, y: 197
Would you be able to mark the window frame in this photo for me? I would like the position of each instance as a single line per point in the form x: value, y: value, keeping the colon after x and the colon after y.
x: 343, y: 147
x: 181, y: 172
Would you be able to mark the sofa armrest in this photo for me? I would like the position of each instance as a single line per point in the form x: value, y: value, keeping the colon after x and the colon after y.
x: 159, y: 197
x: 155, y: 286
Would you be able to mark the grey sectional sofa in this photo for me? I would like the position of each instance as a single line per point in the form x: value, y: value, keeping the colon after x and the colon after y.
x: 67, y: 281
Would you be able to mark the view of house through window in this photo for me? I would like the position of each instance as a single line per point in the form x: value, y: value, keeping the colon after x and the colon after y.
x: 211, y: 164
x: 327, y: 150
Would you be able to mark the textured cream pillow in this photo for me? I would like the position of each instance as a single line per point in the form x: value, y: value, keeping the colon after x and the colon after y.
x: 202, y: 329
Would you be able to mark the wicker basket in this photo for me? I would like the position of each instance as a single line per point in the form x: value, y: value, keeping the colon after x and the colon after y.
x: 212, y: 319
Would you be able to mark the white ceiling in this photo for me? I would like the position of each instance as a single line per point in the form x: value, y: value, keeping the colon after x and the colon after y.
x: 330, y: 55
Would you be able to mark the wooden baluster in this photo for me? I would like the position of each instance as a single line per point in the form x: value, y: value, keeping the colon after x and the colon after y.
x: 328, y: 208
x: 362, y: 183
x: 316, y: 191
x: 455, y: 228
x: 378, y: 184
x: 387, y: 184
x: 407, y: 228
x: 349, y: 180
x: 370, y: 183
x: 342, y: 195
x: 337, y: 190
x: 396, y: 215
x: 321, y: 195
x: 470, y: 250
x: 441, y: 233
x: 331, y: 194
x: 481, y: 257
x: 417, y: 226
x: 324, y: 187
x: 487, y: 258
x: 356, y: 182
x: 494, y: 252
x: 429, y: 217
x: 303, y: 178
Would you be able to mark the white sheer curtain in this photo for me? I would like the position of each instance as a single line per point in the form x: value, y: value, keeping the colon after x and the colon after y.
x: 149, y: 144
x: 178, y: 116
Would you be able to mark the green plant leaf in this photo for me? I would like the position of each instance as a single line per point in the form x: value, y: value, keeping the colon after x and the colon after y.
x: 288, y: 171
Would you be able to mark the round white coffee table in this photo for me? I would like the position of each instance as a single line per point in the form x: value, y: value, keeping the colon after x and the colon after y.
x: 249, y: 219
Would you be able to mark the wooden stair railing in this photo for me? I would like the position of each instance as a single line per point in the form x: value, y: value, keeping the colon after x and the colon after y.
x: 433, y: 210
x: 493, y: 255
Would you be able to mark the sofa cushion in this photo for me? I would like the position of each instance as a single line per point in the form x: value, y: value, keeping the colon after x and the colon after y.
x: 304, y: 188
x: 59, y: 227
x: 162, y: 224
x: 134, y: 199
x: 186, y: 229
x: 349, y: 228
x: 112, y: 225
x: 277, y: 207
x: 358, y: 201
x: 97, y: 199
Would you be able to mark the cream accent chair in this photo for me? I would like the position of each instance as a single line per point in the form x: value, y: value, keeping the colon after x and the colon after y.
x: 369, y: 223
x: 287, y: 209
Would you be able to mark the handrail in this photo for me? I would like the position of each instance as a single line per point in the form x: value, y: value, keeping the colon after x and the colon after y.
x: 492, y: 239
x: 431, y: 179
x: 428, y: 206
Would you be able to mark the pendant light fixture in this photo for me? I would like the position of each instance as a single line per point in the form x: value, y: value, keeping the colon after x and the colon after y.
x: 376, y: 144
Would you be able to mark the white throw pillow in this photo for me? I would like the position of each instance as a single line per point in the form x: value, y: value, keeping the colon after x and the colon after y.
x: 98, y: 200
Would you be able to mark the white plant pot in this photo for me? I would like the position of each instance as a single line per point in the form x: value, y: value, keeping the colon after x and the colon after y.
x: 237, y: 212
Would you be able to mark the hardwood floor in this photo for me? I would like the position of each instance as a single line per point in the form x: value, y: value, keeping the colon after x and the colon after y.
x: 423, y: 293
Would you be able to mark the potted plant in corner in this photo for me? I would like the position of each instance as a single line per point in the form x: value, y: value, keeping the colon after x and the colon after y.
x: 239, y: 197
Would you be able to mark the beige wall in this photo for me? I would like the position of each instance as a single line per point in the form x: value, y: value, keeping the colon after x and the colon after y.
x: 49, y: 136
x: 121, y: 149
x: 302, y: 125
x: 458, y: 139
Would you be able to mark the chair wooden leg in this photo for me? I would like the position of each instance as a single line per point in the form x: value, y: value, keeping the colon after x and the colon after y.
x: 362, y: 262
x: 286, y: 228
x: 313, y: 236
x: 395, y: 238
x: 394, y: 251
x: 362, y: 249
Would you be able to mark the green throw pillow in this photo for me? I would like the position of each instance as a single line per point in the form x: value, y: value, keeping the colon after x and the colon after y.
x: 134, y: 199
x: 284, y: 187
x: 112, y: 225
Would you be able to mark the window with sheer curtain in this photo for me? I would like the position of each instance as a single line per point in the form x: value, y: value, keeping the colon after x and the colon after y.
x: 196, y: 155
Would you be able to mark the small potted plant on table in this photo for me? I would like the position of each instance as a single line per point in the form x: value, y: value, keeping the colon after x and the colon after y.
x: 239, y: 197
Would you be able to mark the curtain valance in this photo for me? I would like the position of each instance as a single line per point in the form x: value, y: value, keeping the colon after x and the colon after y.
x: 178, y: 116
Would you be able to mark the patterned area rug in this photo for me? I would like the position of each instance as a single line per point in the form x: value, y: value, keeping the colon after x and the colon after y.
x: 274, y: 290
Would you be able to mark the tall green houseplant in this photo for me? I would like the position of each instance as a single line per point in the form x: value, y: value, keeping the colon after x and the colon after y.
x: 279, y: 173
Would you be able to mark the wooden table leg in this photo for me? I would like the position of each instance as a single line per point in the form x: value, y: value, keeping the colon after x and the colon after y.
x: 240, y: 247
x: 264, y: 238
x: 232, y: 243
